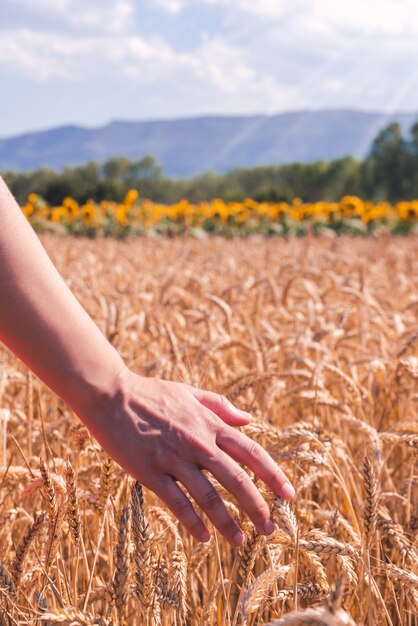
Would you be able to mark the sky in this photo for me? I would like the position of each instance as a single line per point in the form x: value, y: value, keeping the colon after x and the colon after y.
x: 89, y: 62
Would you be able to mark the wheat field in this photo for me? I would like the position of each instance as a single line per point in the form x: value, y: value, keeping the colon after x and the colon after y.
x: 318, y: 339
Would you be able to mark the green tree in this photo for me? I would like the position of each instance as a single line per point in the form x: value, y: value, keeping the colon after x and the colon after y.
x: 393, y: 164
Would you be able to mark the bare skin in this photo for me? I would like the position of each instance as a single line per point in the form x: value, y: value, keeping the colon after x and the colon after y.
x: 161, y: 432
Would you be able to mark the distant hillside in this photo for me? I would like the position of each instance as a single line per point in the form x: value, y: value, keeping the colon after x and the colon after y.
x: 186, y: 147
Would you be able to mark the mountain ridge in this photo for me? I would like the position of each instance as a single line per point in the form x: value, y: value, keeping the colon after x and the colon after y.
x: 192, y: 145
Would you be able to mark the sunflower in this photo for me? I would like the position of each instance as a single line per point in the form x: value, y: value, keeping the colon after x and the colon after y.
x: 71, y: 208
x: 131, y: 197
x: 88, y: 214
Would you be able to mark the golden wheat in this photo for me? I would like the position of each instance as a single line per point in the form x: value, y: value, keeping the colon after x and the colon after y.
x: 317, y: 339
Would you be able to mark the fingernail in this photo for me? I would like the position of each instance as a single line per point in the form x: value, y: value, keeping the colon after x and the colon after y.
x: 269, y: 527
x: 205, y: 536
x: 288, y: 491
x: 238, y: 539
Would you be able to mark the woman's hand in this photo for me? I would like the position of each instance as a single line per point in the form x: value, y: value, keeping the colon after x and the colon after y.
x: 162, y: 432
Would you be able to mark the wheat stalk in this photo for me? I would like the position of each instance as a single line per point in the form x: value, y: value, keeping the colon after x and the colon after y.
x: 142, y: 537
x: 73, y: 516
x: 22, y: 550
x: 121, y: 574
x: 49, y: 491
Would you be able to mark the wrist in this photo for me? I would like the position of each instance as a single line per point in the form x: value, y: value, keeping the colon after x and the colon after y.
x: 96, y: 391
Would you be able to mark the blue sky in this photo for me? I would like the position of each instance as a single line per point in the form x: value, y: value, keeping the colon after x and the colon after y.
x: 92, y: 61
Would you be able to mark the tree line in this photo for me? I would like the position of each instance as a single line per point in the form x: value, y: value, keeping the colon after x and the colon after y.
x: 389, y: 172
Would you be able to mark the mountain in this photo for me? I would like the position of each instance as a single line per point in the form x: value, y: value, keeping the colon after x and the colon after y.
x: 189, y: 146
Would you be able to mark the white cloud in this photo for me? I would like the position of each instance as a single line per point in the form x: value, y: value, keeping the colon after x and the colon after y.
x: 387, y: 16
x: 46, y: 55
x: 368, y: 16
x: 25, y: 52
x: 113, y: 18
x: 43, y: 5
x: 215, y: 73
x: 271, y: 8
x: 172, y: 6
x: 363, y: 16
x: 97, y: 15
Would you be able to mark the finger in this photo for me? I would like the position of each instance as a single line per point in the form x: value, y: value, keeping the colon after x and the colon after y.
x: 206, y: 496
x: 239, y: 484
x: 221, y: 406
x: 250, y: 453
x: 180, y: 505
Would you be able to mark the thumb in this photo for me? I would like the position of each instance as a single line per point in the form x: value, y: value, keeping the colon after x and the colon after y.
x: 221, y: 406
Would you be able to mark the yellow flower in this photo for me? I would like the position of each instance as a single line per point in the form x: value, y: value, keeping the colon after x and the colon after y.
x: 88, y: 214
x: 28, y: 209
x: 33, y: 198
x: 58, y: 214
x: 219, y: 209
x: 250, y: 203
x: 351, y: 205
x: 131, y: 197
x: 243, y: 216
x: 71, y: 207
x: 407, y: 210
x: 121, y: 216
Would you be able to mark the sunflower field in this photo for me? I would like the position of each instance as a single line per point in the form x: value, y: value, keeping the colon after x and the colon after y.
x: 136, y: 216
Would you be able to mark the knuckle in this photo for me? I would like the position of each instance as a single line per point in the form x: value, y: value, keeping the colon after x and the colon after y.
x: 255, y: 450
x: 211, y: 499
x: 195, y: 441
x: 167, y: 462
x: 180, y: 506
x: 240, y: 479
x: 224, y: 400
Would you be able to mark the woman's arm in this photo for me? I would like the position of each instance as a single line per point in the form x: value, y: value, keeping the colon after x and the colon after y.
x: 42, y: 322
x: 159, y: 431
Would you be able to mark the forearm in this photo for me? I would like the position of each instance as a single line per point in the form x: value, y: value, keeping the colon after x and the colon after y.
x: 42, y: 322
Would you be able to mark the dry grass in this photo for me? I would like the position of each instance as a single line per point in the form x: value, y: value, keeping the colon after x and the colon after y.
x: 318, y: 339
